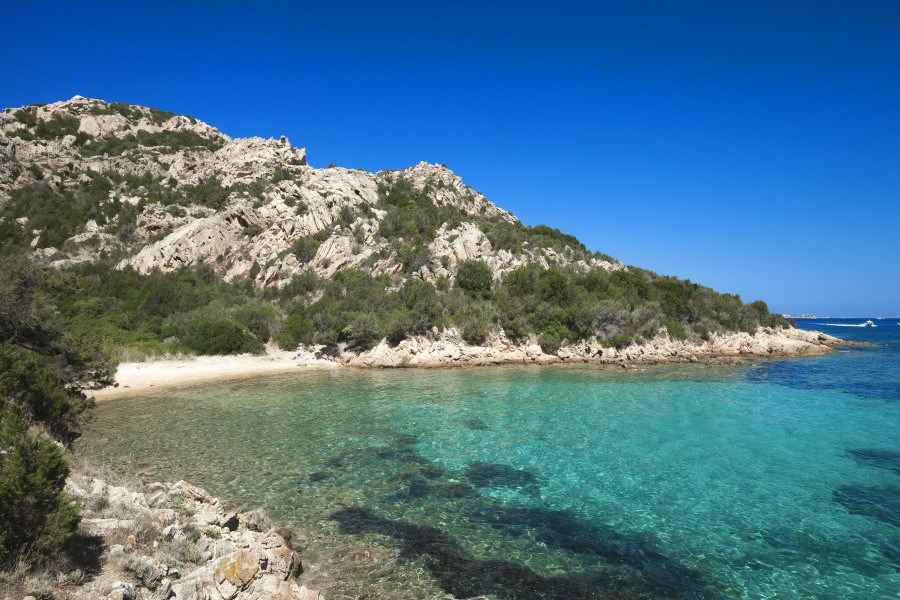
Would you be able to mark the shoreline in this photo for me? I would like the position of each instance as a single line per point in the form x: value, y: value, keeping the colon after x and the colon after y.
x: 450, y: 351
x: 139, y: 378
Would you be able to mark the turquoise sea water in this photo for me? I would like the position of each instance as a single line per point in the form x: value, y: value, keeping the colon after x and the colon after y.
x: 776, y: 479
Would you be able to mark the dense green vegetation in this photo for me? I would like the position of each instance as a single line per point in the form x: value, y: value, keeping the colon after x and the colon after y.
x: 57, y: 126
x: 192, y: 310
x: 133, y: 113
x: 59, y: 215
x: 43, y: 368
x: 172, y: 140
x: 60, y: 125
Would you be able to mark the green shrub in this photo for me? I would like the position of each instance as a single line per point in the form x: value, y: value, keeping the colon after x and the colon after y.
x: 36, y: 516
x: 475, y: 323
x: 260, y: 319
x: 476, y: 278
x: 253, y: 229
x: 549, y: 342
x: 305, y: 249
x: 58, y: 126
x: 25, y: 117
x: 160, y: 116
x: 38, y: 388
x: 118, y: 108
x: 362, y: 332
x: 675, y: 329
x: 211, y: 335
x: 398, y: 326
x: 296, y: 330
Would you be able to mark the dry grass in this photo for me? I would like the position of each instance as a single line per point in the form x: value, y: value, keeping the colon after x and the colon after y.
x: 139, y: 355
x: 41, y: 582
x: 84, y: 470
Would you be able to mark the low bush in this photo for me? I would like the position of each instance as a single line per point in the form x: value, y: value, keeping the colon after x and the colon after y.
x: 476, y: 278
x: 209, y: 335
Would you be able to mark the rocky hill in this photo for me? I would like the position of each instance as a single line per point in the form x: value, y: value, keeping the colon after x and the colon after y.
x: 165, y: 191
x: 181, y: 238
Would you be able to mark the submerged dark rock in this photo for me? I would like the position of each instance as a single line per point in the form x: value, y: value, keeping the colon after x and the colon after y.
x: 476, y: 425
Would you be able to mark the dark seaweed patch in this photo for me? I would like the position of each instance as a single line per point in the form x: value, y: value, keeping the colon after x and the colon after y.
x: 401, y: 450
x: 338, y: 461
x: 405, y: 439
x: 460, y: 574
x: 419, y: 487
x: 319, y: 476
x: 482, y: 474
x: 891, y: 551
x: 873, y: 457
x: 475, y: 425
x: 878, y: 503
x: 426, y: 471
x: 564, y: 529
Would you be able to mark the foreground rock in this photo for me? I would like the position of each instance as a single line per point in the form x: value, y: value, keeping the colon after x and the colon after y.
x: 176, y: 541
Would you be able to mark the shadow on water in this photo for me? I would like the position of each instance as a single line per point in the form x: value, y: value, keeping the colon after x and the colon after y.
x: 873, y: 457
x: 879, y: 503
x: 464, y: 576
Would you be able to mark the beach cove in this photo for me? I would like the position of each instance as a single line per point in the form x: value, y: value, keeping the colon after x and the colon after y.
x: 773, y: 477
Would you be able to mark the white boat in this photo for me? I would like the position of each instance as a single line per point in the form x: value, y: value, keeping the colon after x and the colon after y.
x: 869, y: 323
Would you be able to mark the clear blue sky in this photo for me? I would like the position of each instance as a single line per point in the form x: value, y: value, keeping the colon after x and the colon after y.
x: 753, y: 147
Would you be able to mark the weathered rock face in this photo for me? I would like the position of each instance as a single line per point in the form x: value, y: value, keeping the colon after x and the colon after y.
x: 272, y: 200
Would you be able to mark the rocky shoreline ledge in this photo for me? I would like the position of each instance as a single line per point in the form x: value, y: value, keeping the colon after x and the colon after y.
x: 448, y: 350
x: 159, y: 541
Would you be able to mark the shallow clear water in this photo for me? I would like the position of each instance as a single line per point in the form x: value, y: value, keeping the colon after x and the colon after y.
x: 773, y: 479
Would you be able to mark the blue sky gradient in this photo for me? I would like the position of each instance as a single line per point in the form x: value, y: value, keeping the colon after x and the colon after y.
x: 754, y: 147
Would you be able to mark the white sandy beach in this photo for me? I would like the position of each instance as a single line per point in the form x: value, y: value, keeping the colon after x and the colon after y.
x: 141, y: 377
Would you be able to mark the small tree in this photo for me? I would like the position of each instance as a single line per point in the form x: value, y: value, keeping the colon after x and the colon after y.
x: 475, y: 278
x: 36, y: 517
